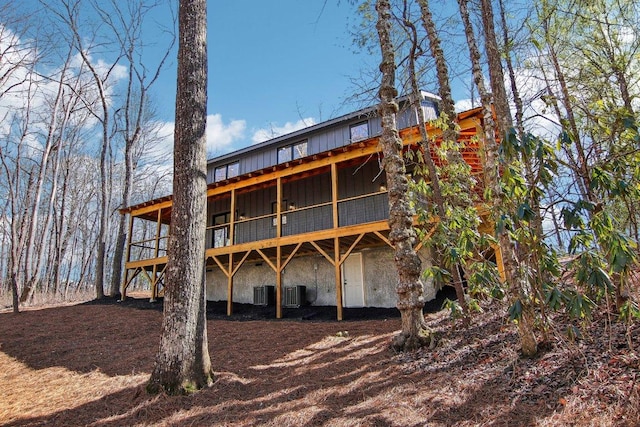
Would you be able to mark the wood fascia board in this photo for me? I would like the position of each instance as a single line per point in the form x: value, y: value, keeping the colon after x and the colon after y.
x: 151, y: 208
x: 146, y: 262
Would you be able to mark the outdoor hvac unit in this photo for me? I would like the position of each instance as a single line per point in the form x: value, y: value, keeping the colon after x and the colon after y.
x: 295, y: 296
x: 263, y: 295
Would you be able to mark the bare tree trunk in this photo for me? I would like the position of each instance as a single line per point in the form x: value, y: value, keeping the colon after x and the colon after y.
x: 402, y: 235
x: 71, y: 18
x: 449, y: 136
x: 50, y: 161
x: 134, y: 109
x: 515, y: 279
x: 496, y: 74
x: 182, y: 363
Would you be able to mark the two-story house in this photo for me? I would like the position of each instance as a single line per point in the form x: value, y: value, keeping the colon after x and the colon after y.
x: 299, y: 219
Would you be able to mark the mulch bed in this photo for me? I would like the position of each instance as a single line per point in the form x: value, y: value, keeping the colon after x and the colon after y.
x: 87, y: 364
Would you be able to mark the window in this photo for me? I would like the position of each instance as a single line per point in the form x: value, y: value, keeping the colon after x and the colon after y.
x: 284, y: 154
x: 227, y: 171
x: 221, y: 230
x: 300, y: 150
x: 292, y: 152
x: 233, y: 169
x: 359, y: 131
x: 430, y: 109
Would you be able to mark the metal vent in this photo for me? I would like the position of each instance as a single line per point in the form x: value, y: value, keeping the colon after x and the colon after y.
x: 295, y: 296
x: 263, y: 295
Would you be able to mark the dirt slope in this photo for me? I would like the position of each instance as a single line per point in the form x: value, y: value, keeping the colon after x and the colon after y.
x: 87, y: 365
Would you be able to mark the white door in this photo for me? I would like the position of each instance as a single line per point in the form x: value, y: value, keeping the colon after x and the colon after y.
x: 352, y: 283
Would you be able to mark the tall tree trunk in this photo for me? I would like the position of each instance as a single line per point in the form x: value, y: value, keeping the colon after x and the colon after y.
x: 449, y: 137
x: 139, y: 83
x: 402, y: 235
x: 496, y: 74
x: 182, y: 363
x: 514, y: 277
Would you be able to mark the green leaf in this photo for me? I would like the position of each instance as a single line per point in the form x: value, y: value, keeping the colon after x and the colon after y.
x: 515, y: 311
x: 525, y: 212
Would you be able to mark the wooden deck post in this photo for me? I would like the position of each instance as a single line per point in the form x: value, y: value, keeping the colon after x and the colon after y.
x: 278, y: 248
x: 338, y: 276
x: 156, y: 252
x: 232, y: 220
x: 230, y: 286
x: 127, y: 258
x: 336, y: 240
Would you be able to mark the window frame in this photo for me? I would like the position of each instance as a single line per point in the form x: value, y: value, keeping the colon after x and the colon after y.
x: 219, y: 171
x: 355, y: 137
x: 293, y: 151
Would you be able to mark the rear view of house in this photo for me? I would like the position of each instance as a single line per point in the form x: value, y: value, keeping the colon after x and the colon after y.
x: 299, y: 219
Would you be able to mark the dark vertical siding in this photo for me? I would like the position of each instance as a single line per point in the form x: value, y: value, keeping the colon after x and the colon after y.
x: 321, y: 140
x: 360, y: 179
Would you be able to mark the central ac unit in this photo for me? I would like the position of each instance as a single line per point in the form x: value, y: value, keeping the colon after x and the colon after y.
x: 263, y: 295
x: 295, y: 296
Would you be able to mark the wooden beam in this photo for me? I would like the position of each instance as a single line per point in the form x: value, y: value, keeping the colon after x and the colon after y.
x: 129, y: 280
x: 146, y: 262
x: 353, y: 245
x: 278, y: 283
x: 334, y: 194
x: 151, y: 208
x: 291, y: 255
x: 267, y: 260
x: 306, y: 237
x: 244, y: 258
x: 222, y: 267
x: 338, y: 277
x: 232, y: 219
x: 279, y: 207
x: 383, y: 238
x: 326, y: 255
x: 230, y: 287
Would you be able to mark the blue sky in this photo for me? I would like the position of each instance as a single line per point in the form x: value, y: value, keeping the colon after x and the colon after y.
x: 273, y: 68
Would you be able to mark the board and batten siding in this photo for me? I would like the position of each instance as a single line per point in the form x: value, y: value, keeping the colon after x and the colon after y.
x: 320, y: 138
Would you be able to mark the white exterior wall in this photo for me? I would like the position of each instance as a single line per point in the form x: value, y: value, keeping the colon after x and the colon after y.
x: 317, y: 274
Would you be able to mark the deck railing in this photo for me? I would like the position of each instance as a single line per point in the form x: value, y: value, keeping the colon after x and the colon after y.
x: 306, y: 219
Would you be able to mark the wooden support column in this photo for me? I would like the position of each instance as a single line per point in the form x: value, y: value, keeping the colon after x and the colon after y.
x: 156, y: 252
x: 127, y: 258
x: 336, y: 240
x: 278, y: 282
x: 278, y: 248
x: 500, y: 263
x: 279, y: 208
x: 230, y: 286
x: 338, y: 277
x: 232, y: 220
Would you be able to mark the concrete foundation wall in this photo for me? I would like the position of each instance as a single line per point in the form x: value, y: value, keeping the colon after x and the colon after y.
x: 318, y: 276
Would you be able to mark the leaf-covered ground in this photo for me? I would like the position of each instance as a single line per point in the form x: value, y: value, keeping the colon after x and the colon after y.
x: 87, y: 364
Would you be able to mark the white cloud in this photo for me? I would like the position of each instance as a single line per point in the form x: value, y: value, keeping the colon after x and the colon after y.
x: 274, y: 130
x: 220, y: 135
x: 466, y: 104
